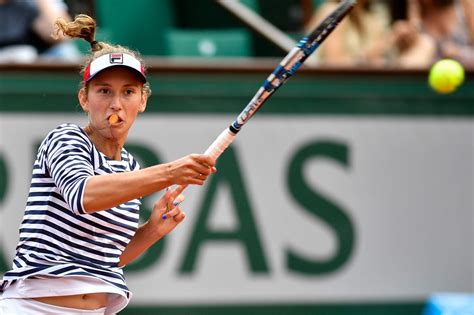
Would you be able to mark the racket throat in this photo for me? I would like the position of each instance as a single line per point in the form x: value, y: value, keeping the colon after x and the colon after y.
x: 234, y: 128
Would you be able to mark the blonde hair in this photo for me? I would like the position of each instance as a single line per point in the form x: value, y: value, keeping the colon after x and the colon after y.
x: 85, y: 27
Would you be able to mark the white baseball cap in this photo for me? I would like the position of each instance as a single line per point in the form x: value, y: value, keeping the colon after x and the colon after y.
x: 112, y: 60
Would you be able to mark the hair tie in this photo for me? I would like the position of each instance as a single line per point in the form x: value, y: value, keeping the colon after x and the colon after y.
x: 93, y: 43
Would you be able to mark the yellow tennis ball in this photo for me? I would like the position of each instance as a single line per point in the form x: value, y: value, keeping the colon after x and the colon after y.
x: 446, y: 76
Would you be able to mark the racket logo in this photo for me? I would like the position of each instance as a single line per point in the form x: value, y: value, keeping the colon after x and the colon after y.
x: 116, y: 58
x: 250, y: 110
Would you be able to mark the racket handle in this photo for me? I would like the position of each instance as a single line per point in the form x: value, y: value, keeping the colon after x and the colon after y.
x: 220, y: 144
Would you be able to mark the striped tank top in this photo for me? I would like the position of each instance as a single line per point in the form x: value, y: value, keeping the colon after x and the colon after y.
x: 57, y: 237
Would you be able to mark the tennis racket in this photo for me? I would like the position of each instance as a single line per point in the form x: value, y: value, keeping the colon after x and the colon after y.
x: 287, y: 67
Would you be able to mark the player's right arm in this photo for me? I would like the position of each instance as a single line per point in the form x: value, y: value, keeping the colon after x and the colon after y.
x: 66, y: 154
x: 106, y: 191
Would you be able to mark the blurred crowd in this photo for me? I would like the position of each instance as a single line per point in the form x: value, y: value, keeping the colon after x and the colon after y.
x: 400, y: 33
x: 403, y: 33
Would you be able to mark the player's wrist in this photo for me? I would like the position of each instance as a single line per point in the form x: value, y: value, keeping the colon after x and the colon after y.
x: 159, y: 177
x: 152, y: 231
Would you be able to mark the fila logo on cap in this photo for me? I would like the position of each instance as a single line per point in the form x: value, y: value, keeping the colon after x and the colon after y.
x: 116, y: 58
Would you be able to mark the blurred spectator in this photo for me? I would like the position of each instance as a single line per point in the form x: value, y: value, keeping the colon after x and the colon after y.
x: 25, y: 31
x: 357, y: 40
x: 435, y: 29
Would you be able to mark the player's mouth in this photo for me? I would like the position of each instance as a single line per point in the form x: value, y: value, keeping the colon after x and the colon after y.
x: 114, y: 119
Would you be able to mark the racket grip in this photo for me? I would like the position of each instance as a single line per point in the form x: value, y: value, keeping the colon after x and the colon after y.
x: 220, y: 144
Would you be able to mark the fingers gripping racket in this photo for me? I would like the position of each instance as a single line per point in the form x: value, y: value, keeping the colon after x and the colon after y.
x: 287, y: 67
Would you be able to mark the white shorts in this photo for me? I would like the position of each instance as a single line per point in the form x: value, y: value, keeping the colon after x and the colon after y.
x: 33, y: 307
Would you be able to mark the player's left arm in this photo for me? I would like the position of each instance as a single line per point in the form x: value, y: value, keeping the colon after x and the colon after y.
x: 157, y: 226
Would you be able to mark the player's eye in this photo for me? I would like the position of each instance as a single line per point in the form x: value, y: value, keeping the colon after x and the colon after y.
x: 129, y: 92
x: 104, y: 91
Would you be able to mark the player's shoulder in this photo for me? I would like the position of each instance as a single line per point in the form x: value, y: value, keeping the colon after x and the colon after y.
x: 68, y: 132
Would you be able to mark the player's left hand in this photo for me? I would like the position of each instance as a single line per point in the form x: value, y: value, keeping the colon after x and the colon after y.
x: 166, y: 213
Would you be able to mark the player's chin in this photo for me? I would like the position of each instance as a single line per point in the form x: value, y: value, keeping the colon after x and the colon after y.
x: 114, y: 134
x: 119, y: 129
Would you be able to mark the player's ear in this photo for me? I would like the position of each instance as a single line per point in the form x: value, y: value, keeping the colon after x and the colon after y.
x: 83, y: 101
x: 143, y: 101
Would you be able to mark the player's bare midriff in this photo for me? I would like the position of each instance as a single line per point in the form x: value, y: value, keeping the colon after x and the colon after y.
x: 91, y: 301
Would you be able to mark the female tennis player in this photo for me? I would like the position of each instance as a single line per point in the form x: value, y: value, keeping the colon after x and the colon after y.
x: 80, y: 225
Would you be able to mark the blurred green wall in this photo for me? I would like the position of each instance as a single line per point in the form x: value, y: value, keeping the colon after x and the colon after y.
x: 324, y: 92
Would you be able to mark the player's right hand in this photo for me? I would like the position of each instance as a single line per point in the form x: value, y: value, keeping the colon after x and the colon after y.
x: 192, y: 169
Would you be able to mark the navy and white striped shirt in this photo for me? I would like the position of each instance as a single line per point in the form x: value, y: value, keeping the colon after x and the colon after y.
x: 57, y: 236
